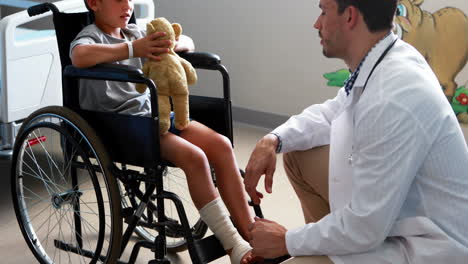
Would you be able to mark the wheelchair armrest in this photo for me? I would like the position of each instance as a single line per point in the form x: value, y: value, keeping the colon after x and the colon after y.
x: 203, y: 60
x: 107, y: 71
x: 115, y: 72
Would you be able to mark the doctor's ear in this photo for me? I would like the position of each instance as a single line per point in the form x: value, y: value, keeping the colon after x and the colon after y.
x: 352, y: 16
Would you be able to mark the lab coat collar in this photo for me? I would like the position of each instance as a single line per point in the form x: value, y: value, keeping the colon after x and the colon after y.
x: 371, y: 59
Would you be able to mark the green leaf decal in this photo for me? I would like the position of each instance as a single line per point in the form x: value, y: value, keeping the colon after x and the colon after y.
x: 338, y: 78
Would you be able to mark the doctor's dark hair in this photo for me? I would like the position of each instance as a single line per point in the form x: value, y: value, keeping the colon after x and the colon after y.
x: 378, y: 14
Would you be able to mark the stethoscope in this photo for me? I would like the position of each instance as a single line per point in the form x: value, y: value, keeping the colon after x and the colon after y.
x: 379, y: 61
x: 350, y: 156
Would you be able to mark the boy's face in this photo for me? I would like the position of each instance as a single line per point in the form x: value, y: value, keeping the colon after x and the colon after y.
x: 114, y: 13
x: 329, y: 24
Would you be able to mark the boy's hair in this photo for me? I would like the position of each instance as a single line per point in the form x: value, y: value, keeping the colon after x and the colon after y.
x: 378, y: 14
x: 91, y: 12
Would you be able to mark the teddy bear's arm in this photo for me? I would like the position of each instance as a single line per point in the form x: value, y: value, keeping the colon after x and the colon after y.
x: 189, y: 71
x: 140, y: 87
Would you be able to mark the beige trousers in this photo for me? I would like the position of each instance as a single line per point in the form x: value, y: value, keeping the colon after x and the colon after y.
x: 308, y: 173
x: 309, y: 260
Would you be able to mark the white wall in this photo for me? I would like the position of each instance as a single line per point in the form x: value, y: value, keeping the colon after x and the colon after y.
x: 269, y: 46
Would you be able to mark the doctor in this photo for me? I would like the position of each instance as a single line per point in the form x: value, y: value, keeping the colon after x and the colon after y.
x: 381, y: 170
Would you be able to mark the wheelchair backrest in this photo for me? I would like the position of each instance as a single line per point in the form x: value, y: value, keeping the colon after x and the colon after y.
x: 67, y: 27
x: 117, y: 132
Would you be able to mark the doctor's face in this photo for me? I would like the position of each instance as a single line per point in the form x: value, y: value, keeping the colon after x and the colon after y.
x: 329, y: 25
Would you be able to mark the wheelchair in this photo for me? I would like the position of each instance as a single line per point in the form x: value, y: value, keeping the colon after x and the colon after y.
x: 79, y: 177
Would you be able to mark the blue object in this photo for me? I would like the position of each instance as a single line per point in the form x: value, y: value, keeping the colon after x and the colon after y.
x: 23, y: 34
x: 18, y: 3
x: 173, y: 129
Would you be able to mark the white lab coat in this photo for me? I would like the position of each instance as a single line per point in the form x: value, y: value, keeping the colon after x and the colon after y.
x: 398, y: 176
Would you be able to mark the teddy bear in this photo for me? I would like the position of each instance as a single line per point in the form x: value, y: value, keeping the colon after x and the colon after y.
x: 172, y: 75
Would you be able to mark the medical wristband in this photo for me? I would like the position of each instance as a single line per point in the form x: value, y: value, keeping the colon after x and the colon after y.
x: 130, y: 49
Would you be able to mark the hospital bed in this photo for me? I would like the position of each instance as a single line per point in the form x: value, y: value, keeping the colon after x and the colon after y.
x: 30, y: 71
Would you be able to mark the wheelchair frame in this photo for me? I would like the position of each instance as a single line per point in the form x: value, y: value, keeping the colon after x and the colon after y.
x: 200, y: 250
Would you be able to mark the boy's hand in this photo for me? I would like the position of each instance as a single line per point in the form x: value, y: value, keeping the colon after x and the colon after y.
x: 150, y: 46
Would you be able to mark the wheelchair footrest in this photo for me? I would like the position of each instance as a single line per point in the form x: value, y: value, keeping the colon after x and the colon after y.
x: 209, y: 249
x: 80, y: 251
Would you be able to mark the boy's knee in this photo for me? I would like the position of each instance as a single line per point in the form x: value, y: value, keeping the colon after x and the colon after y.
x: 225, y: 143
x: 195, y: 158
x: 221, y: 144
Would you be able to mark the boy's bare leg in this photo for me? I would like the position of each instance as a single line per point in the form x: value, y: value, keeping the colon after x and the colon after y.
x: 219, y: 151
x: 193, y: 162
x: 308, y: 173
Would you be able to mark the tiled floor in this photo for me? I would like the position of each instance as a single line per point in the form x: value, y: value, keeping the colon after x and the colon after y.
x: 281, y: 206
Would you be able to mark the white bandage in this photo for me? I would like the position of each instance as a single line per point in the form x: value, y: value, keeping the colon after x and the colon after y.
x: 216, y: 216
x: 130, y: 49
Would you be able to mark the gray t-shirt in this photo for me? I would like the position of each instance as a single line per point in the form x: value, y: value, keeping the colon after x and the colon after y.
x: 110, y: 96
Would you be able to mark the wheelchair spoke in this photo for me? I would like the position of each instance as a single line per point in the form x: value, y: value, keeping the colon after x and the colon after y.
x: 35, y: 194
x: 44, y: 180
x: 34, y: 217
x: 60, y: 234
x: 182, y: 193
x: 49, y: 231
x: 49, y: 158
x: 63, y: 191
x: 95, y: 213
x: 72, y: 227
x: 47, y: 154
x: 32, y: 156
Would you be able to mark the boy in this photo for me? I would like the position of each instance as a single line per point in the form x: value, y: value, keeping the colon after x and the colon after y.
x: 112, y: 40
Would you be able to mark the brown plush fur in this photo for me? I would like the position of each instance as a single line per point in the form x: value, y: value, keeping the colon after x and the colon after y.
x: 172, y: 75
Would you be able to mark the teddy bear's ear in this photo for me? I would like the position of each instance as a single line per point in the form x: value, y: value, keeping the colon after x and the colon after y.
x: 177, y: 29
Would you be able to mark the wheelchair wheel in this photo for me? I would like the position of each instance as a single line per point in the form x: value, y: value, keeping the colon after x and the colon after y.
x: 174, y: 181
x: 66, y: 202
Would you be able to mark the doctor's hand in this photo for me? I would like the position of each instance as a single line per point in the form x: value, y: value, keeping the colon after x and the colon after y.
x: 262, y: 162
x: 268, y: 238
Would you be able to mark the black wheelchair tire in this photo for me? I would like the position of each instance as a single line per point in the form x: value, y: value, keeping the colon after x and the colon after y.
x: 37, y: 120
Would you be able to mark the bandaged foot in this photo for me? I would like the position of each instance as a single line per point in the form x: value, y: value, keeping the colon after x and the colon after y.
x: 216, y: 216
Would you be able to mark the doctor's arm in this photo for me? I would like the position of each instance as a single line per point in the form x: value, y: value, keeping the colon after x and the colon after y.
x: 389, y: 147
x: 306, y: 130
x: 311, y: 128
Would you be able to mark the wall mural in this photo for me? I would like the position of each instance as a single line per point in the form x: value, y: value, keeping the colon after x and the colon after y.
x: 442, y: 38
